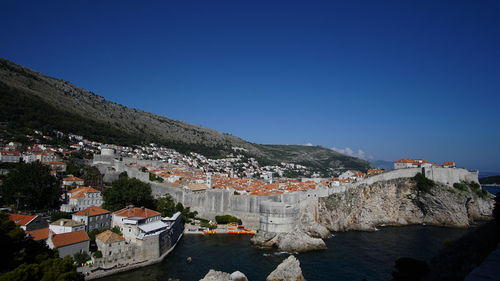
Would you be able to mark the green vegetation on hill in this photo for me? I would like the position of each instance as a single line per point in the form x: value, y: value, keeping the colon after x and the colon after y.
x: 423, y: 184
x: 471, y: 187
x: 490, y: 180
x: 31, y: 187
x: 32, y: 100
x: 25, y: 259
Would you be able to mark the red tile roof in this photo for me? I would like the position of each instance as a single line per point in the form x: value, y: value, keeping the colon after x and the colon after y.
x: 83, y: 189
x: 449, y: 163
x: 92, y: 211
x: 64, y: 239
x: 39, y: 234
x: 109, y: 237
x: 71, y: 178
x: 136, y: 212
x: 21, y: 219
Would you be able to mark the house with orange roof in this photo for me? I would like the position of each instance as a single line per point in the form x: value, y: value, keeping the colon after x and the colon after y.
x: 28, y: 222
x: 81, y: 198
x: 72, y: 181
x: 449, y: 164
x: 69, y: 243
x: 10, y: 156
x: 93, y: 217
x: 58, y: 166
x: 39, y: 234
x: 135, y: 222
x: 411, y: 163
x: 114, y: 249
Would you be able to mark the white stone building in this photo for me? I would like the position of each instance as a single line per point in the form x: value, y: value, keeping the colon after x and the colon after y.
x: 65, y: 226
x: 81, y: 198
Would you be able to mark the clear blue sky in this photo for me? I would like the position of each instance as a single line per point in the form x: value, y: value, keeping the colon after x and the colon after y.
x: 393, y: 78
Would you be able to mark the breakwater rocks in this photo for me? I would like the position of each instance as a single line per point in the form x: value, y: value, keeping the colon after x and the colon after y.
x: 288, y: 270
x: 294, y: 241
x: 399, y: 202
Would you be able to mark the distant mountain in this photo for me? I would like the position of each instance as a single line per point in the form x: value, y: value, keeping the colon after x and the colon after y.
x: 490, y: 180
x: 33, y: 100
x: 382, y: 164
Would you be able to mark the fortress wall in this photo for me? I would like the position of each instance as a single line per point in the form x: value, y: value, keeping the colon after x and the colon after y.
x: 449, y: 176
x: 278, y: 217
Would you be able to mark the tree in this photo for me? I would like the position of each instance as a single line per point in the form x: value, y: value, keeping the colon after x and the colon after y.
x: 25, y: 259
x: 31, y: 187
x: 80, y: 258
x: 166, y: 206
x: 127, y: 191
x: 59, y: 215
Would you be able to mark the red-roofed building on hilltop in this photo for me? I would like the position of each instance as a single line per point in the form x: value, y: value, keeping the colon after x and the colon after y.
x: 94, y: 218
x: 81, y: 198
x: 449, y: 164
x: 411, y: 163
x: 69, y: 243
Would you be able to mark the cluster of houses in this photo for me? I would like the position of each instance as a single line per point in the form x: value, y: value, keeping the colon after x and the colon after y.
x: 144, y: 234
x: 420, y: 163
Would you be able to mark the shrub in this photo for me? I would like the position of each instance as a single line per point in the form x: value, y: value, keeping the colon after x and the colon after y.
x: 461, y: 186
x: 97, y: 254
x: 423, y: 184
x: 227, y: 219
x: 208, y: 225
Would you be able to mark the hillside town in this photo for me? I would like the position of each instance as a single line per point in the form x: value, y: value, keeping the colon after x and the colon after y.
x: 135, y: 234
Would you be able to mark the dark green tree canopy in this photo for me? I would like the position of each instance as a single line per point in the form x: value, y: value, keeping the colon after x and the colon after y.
x: 31, y: 187
x: 128, y: 191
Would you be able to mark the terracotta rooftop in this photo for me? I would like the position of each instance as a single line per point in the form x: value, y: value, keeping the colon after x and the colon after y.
x: 83, y: 189
x: 109, y: 237
x: 64, y: 239
x: 136, y: 212
x: 92, y: 211
x: 21, y: 219
x: 72, y: 178
x: 39, y: 234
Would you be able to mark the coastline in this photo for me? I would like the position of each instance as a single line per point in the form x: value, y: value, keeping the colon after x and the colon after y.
x: 103, y: 273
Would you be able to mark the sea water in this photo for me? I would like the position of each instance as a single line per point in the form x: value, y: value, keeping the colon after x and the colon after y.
x: 350, y: 255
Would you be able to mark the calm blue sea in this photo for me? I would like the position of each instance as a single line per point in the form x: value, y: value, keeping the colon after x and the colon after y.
x: 350, y: 255
x: 492, y: 189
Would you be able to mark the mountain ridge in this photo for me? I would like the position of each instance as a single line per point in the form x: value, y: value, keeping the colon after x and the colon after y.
x: 19, y: 82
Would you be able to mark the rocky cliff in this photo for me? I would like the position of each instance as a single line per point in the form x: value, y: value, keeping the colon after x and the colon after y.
x: 400, y: 202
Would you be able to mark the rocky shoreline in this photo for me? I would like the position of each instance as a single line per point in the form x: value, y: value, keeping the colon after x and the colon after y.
x: 395, y: 202
x: 288, y: 270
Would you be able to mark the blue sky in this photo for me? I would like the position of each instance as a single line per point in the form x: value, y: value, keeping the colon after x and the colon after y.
x: 403, y: 79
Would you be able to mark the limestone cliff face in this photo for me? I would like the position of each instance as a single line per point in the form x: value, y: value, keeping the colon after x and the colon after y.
x: 398, y: 202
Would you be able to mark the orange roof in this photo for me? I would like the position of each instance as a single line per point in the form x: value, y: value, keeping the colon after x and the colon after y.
x: 449, y: 163
x: 21, y: 219
x: 64, y: 239
x: 83, y: 189
x: 109, y: 237
x: 9, y: 152
x: 92, y: 211
x: 136, y: 212
x: 39, y: 234
x: 72, y: 178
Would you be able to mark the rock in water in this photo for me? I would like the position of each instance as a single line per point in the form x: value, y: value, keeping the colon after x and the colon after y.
x: 288, y: 270
x: 214, y: 275
x: 238, y: 276
x: 298, y: 241
x: 294, y: 241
